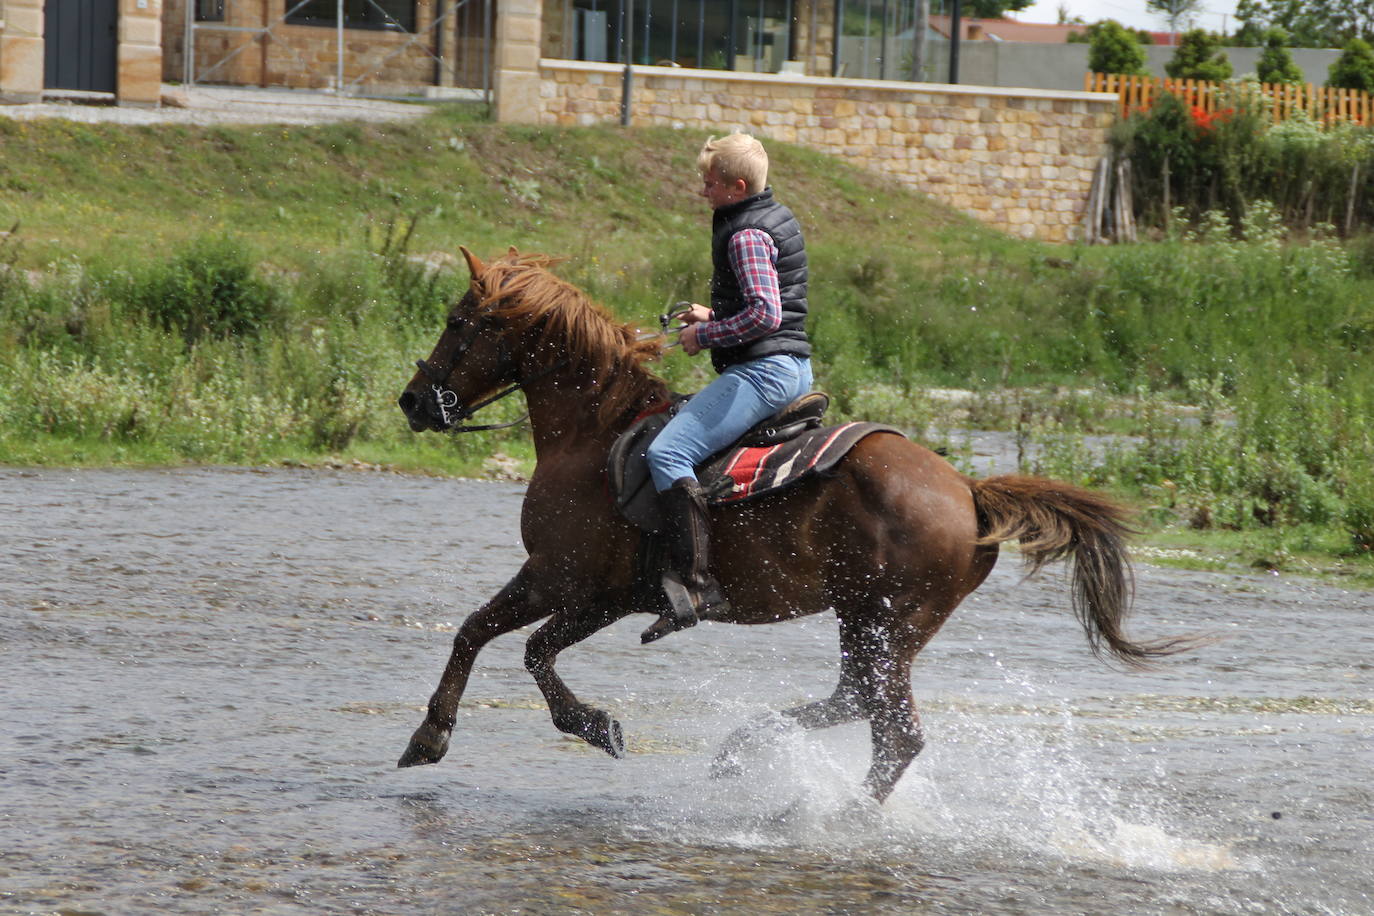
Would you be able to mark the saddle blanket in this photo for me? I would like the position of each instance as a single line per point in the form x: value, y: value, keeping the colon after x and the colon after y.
x: 747, y: 473
x: 734, y: 476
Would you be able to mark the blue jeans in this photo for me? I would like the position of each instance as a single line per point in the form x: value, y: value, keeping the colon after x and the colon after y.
x: 724, y: 410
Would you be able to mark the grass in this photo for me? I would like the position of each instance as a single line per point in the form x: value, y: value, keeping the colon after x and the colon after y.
x: 257, y: 295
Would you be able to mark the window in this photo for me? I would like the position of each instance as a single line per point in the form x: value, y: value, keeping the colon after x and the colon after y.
x: 716, y: 34
x: 394, y: 15
x: 209, y: 10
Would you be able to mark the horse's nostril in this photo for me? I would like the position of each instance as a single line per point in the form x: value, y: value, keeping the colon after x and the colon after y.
x: 408, y: 403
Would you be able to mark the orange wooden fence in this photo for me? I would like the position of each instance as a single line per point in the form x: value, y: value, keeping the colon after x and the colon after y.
x: 1283, y: 99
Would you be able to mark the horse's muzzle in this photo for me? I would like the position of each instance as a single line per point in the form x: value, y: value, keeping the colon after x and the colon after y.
x: 431, y: 409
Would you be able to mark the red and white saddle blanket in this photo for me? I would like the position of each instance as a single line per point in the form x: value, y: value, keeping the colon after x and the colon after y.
x: 734, y: 476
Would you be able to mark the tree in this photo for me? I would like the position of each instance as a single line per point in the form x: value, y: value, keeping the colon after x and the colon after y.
x: 1309, y: 23
x: 1199, y: 57
x: 993, y: 9
x: 1112, y: 48
x: 1175, y: 11
x: 1354, y: 69
x: 1276, y: 63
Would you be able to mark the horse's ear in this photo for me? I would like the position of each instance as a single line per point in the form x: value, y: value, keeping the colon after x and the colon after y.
x: 475, y: 265
x: 512, y: 253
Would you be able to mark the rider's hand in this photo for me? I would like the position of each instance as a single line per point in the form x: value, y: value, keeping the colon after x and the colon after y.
x: 693, y: 314
x: 688, y: 338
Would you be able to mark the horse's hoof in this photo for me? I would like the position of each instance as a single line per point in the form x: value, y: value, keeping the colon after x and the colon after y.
x: 657, y: 630
x: 429, y: 744
x: 726, y: 766
x: 604, y: 732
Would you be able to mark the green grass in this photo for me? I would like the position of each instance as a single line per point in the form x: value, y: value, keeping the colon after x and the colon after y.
x: 259, y: 295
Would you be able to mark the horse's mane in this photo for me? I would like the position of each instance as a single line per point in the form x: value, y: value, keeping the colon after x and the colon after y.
x: 519, y: 290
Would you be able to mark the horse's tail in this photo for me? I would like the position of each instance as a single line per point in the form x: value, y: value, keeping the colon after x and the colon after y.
x: 1055, y: 520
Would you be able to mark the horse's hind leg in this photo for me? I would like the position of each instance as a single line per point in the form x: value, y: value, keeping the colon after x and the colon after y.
x: 897, y: 735
x: 570, y: 715
x: 509, y: 610
x: 846, y: 704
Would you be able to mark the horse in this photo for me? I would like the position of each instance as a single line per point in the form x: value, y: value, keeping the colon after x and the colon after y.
x: 892, y: 541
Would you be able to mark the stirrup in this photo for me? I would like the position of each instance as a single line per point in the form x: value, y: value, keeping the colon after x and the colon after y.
x: 682, y: 611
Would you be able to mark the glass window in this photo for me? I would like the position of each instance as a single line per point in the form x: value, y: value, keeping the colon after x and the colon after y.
x: 395, y: 15
x: 715, y: 34
x: 876, y: 38
x: 762, y: 35
x: 209, y: 10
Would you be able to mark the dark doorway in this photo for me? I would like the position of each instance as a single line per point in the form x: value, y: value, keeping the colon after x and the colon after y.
x: 79, y: 45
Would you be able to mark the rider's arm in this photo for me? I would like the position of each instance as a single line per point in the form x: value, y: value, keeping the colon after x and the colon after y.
x: 754, y: 258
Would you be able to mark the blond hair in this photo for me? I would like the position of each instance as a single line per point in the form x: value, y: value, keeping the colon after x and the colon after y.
x: 736, y: 156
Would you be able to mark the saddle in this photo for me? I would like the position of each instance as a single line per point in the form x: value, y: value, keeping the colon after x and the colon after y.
x: 775, y: 454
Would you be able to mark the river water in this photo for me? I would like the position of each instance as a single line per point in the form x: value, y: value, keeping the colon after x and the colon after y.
x: 209, y: 674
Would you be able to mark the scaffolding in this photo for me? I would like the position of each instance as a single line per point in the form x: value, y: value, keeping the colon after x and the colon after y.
x: 444, y: 50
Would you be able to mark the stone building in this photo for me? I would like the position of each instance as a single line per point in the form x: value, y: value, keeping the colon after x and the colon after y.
x: 1022, y: 160
x: 90, y: 45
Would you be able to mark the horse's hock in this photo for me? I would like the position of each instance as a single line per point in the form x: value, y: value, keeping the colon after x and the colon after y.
x: 1021, y: 160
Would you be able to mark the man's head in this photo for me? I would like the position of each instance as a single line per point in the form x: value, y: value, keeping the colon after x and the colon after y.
x: 732, y: 168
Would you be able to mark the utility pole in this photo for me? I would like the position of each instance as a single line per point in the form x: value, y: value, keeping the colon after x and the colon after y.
x: 955, y: 27
x: 627, y: 42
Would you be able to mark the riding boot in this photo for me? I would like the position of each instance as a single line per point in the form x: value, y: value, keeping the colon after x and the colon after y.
x: 688, y: 583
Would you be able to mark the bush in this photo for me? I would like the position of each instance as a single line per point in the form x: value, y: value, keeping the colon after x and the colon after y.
x: 1276, y: 63
x: 1115, y: 49
x: 210, y: 290
x: 1199, y: 57
x: 1354, y: 69
x: 1195, y: 159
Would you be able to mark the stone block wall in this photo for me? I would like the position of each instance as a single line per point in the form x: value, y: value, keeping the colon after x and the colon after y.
x: 138, y: 58
x: 21, y: 51
x: 1019, y: 160
x: 138, y: 53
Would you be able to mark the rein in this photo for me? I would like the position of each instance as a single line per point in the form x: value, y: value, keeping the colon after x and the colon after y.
x: 450, y: 411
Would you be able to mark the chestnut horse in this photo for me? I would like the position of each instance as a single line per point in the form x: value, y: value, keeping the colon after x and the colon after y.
x: 892, y: 542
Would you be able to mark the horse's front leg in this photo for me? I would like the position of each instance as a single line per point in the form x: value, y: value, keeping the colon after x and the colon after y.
x: 569, y: 627
x: 509, y: 610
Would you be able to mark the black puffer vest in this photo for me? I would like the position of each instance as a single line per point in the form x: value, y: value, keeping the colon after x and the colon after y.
x: 760, y: 212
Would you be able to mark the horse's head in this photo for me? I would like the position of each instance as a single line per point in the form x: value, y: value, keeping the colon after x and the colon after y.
x: 470, y: 364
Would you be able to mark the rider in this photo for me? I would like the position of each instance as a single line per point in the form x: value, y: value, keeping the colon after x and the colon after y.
x: 755, y: 331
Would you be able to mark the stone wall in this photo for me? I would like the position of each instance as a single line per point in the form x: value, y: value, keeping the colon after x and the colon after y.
x: 138, y: 53
x: 21, y: 51
x: 1019, y: 160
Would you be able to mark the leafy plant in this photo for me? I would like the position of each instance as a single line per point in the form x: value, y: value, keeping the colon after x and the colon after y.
x: 1354, y: 69
x: 1112, y: 48
x: 1199, y: 56
x: 1276, y: 62
x: 211, y: 289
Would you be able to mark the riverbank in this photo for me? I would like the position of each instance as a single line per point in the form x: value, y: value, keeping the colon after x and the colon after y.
x: 180, y: 294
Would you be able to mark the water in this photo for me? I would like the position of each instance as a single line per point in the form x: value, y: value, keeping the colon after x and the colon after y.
x: 209, y: 674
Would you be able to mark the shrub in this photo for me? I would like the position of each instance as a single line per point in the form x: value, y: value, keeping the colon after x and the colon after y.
x: 1115, y: 49
x: 209, y: 290
x: 1276, y: 63
x: 1354, y: 69
x: 1199, y: 57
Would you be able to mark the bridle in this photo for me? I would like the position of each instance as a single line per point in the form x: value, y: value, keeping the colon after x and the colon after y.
x: 441, y: 402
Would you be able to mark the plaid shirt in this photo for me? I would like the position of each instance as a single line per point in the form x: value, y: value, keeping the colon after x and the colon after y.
x: 754, y: 258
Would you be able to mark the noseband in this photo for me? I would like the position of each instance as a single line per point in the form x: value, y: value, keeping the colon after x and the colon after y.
x: 442, y: 403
